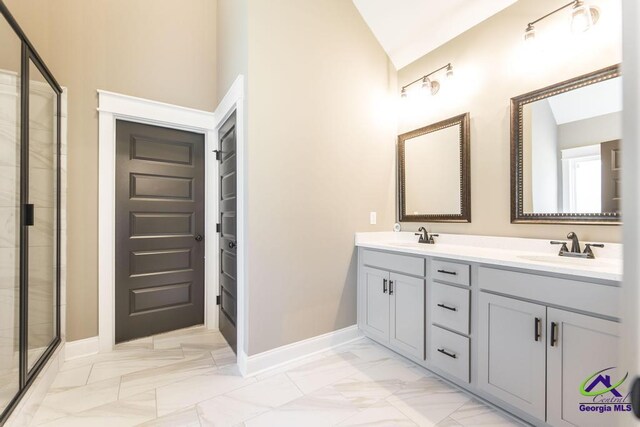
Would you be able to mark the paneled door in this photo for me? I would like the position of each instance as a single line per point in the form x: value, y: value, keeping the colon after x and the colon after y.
x: 376, y: 304
x: 582, y: 363
x: 227, y: 204
x: 511, y: 362
x: 407, y: 314
x: 159, y: 230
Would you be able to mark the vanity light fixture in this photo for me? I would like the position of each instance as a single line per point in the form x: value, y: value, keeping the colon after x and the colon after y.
x: 583, y: 17
x: 428, y: 84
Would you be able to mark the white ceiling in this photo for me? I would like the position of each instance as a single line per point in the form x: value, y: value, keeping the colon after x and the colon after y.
x: 587, y: 102
x: 409, y: 29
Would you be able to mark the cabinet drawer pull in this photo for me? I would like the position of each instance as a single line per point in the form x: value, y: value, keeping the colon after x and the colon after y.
x: 446, y: 353
x: 390, y: 287
x: 536, y: 329
x: 554, y: 334
x: 384, y: 286
x: 453, y: 273
x: 446, y: 307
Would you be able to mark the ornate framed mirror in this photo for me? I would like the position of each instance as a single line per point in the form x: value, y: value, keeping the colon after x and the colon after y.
x: 434, y: 172
x: 565, y: 151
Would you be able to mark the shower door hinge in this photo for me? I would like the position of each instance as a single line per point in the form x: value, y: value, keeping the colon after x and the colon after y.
x: 218, y: 154
x: 217, y: 299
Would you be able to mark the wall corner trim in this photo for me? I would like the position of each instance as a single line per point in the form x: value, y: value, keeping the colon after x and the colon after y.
x: 81, y: 348
x: 271, y: 359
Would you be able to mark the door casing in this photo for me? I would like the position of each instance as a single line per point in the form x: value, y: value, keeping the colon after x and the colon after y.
x: 113, y: 106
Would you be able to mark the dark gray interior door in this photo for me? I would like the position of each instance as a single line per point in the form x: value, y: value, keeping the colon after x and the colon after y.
x: 159, y: 230
x: 611, y: 168
x: 228, y: 243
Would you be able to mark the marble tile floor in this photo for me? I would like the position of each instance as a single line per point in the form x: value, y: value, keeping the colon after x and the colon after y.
x: 189, y: 378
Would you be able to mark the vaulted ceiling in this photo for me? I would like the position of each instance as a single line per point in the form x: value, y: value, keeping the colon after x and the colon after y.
x: 409, y: 29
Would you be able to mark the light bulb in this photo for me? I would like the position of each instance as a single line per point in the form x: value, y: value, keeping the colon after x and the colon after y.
x: 426, y: 84
x: 529, y: 33
x: 449, y: 71
x: 583, y: 17
x: 403, y: 93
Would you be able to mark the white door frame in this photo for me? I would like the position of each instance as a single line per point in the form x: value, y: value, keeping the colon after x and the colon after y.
x: 113, y: 106
x: 630, y: 342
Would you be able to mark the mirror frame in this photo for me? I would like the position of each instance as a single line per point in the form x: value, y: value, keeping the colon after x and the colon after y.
x: 518, y: 216
x: 465, y: 172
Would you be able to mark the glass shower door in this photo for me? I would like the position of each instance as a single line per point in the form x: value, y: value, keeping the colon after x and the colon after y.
x: 10, y: 58
x: 42, y: 202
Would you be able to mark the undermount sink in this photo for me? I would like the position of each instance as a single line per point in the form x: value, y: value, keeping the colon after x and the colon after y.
x: 556, y: 259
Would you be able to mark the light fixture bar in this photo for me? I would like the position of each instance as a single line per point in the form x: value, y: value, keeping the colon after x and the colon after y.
x: 447, y: 66
x: 573, y: 3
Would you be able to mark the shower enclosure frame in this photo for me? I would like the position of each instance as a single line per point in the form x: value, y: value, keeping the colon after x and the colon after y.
x: 30, y: 56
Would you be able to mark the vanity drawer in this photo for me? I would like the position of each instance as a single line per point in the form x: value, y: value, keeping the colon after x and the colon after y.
x: 451, y: 272
x: 396, y: 262
x: 450, y: 352
x: 450, y: 307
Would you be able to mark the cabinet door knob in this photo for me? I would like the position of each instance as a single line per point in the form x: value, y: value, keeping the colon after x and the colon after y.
x: 390, y: 287
x: 536, y: 331
x: 198, y: 238
x: 446, y: 307
x: 446, y: 353
x: 232, y: 245
x: 452, y: 273
x: 384, y: 286
x: 553, y: 337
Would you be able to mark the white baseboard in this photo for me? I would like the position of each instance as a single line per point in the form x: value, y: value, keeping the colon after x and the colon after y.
x: 81, y: 348
x: 261, y: 362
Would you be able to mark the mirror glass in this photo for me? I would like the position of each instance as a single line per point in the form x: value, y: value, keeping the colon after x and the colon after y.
x: 43, y: 131
x: 571, y: 157
x: 9, y: 212
x: 434, y: 172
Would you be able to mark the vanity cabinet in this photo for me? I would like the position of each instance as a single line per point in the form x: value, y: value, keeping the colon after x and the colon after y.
x: 536, y: 358
x: 527, y: 340
x: 393, y: 310
x: 512, y: 352
x: 582, y: 346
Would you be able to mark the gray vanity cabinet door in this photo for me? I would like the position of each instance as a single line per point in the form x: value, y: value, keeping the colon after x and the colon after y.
x: 582, y: 347
x: 407, y: 314
x: 511, y: 357
x: 376, y: 303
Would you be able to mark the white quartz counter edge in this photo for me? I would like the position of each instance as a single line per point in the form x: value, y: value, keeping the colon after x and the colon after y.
x: 604, y: 269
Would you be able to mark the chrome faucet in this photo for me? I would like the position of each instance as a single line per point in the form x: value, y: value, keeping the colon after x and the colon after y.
x: 425, y: 237
x: 575, y: 247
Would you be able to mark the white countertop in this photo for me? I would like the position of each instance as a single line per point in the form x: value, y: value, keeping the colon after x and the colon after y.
x: 531, y: 254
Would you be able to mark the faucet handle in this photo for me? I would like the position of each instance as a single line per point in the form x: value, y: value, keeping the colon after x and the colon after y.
x: 588, y: 251
x: 563, y: 248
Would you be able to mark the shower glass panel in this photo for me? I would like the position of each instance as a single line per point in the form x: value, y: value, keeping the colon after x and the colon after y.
x: 30, y: 138
x: 42, y: 194
x: 10, y: 48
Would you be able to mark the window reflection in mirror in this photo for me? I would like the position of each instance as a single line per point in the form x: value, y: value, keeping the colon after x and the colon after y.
x: 571, y: 150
